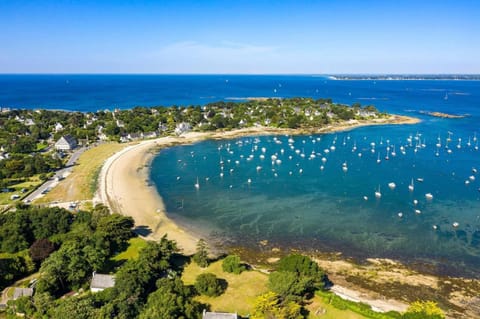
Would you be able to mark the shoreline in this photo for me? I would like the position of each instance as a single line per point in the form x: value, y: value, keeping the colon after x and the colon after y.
x: 124, y: 187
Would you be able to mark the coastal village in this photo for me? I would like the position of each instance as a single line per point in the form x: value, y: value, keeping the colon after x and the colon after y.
x: 88, y: 261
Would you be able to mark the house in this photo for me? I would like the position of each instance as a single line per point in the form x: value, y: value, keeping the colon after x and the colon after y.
x: 218, y: 315
x: 150, y: 135
x: 66, y: 143
x: 100, y: 282
x: 182, y: 128
x: 162, y: 127
x: 22, y: 292
x: 123, y: 138
x: 58, y: 127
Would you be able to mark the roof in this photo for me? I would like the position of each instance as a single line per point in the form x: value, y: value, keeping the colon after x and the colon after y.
x: 69, y: 139
x: 219, y: 315
x: 22, y: 292
x: 101, y: 281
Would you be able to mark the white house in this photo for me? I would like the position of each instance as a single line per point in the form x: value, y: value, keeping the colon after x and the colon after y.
x: 66, y: 143
x: 218, y: 315
x: 182, y: 128
x: 100, y: 282
x: 58, y: 127
x: 22, y: 292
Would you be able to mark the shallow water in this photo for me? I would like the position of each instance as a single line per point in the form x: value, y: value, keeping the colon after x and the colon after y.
x: 298, y: 204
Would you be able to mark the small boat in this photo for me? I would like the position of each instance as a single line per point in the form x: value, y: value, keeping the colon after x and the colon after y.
x: 378, y: 194
x: 415, y: 202
x: 455, y: 224
x: 418, y: 211
x: 400, y: 214
x: 378, y: 159
x: 392, y: 185
x: 411, y: 187
x: 429, y: 196
x: 420, y: 179
x: 197, y: 184
x: 365, y: 198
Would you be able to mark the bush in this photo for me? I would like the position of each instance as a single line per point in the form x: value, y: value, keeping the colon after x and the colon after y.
x: 424, y: 310
x: 209, y: 285
x: 232, y: 264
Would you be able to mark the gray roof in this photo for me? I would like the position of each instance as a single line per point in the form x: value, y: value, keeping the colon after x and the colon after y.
x: 219, y: 315
x: 21, y: 292
x: 69, y: 139
x: 101, y: 281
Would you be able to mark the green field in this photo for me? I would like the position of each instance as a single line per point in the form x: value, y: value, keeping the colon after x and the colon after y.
x: 135, y: 245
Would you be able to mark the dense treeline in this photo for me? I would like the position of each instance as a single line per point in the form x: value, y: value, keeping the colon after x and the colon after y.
x: 66, y: 248
x: 83, y: 242
x: 25, y: 134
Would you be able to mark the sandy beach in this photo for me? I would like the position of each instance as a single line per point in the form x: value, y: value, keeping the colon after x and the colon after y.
x: 125, y: 188
x: 124, y: 185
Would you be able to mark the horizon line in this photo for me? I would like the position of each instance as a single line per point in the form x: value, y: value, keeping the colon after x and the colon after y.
x: 246, y: 74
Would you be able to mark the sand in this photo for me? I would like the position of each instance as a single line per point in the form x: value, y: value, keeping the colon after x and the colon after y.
x: 125, y: 189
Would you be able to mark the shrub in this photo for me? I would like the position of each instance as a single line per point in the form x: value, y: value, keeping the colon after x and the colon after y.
x: 232, y: 264
x: 208, y: 284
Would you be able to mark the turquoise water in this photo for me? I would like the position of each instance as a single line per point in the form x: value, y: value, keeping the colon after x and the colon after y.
x: 321, y: 196
x: 317, y: 209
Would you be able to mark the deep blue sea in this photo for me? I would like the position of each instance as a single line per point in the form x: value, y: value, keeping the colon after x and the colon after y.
x: 313, y: 192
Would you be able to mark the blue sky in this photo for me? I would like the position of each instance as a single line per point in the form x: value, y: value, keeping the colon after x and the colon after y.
x: 313, y: 37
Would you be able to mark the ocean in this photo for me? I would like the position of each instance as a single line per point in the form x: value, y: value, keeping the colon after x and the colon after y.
x: 343, y: 192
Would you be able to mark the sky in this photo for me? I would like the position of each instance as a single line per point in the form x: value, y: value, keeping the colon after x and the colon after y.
x: 240, y: 37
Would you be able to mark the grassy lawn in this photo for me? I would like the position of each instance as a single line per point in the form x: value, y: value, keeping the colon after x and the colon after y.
x: 241, y: 292
x: 135, y: 245
x: 81, y: 184
x: 244, y: 288
x: 29, y: 184
x: 322, y: 310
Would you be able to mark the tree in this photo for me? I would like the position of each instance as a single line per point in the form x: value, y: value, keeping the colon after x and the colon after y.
x: 41, y: 249
x: 201, y: 255
x: 136, y: 279
x: 172, y: 299
x: 424, y: 310
x: 74, y: 307
x: 232, y: 264
x: 209, y: 285
x: 269, y: 305
x: 303, y: 266
x: 115, y: 230
x: 288, y: 285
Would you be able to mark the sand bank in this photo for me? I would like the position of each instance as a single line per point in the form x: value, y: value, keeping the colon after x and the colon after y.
x: 125, y: 188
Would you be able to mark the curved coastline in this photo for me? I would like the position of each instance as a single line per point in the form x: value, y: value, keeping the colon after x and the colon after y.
x: 124, y: 178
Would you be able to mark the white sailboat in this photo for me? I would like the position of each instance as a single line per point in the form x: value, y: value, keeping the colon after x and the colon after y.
x: 378, y: 194
x: 197, y: 184
x: 411, y: 187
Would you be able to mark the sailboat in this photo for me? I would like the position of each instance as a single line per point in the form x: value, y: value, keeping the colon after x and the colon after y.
x: 411, y: 187
x: 446, y: 96
x: 377, y: 193
x: 197, y: 184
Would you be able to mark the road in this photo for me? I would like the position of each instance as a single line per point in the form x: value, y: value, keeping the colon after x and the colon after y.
x: 60, y: 174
